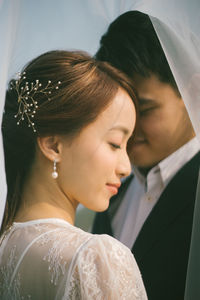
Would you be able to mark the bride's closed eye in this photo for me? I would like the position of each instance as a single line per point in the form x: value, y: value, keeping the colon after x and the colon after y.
x: 115, y: 146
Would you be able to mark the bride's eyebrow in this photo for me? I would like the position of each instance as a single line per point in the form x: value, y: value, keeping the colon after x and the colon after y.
x: 123, y: 129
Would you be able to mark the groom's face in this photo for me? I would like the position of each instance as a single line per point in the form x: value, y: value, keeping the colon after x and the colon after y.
x: 163, y: 125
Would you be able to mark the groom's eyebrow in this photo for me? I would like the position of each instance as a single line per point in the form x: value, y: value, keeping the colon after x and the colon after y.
x: 144, y: 101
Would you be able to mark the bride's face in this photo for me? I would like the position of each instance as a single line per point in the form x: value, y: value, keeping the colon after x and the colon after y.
x: 92, y: 165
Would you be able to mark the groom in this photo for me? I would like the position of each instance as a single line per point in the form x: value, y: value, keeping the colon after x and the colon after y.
x: 153, y: 211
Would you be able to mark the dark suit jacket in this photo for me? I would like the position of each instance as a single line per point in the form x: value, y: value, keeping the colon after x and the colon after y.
x: 162, y: 246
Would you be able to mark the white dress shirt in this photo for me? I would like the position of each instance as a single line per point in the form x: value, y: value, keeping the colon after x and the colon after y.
x: 143, y: 193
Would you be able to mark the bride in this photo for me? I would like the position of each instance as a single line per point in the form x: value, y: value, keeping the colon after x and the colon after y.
x: 66, y: 125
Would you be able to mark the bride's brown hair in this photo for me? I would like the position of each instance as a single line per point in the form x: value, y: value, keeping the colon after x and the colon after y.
x: 86, y: 88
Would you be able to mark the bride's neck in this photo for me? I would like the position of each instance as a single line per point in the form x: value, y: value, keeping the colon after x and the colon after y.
x: 43, y: 198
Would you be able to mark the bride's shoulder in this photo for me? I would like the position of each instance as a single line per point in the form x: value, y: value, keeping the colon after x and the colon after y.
x: 109, y: 243
x: 101, y: 249
x: 115, y: 251
x: 104, y: 262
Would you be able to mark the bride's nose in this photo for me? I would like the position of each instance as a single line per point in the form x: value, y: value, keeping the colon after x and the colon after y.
x: 124, y: 166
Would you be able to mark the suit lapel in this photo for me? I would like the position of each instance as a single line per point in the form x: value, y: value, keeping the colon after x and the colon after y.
x: 178, y: 194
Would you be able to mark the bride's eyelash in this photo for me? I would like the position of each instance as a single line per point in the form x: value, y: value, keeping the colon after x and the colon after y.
x: 115, y: 146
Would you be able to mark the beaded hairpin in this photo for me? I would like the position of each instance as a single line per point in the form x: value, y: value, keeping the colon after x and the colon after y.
x: 27, y: 104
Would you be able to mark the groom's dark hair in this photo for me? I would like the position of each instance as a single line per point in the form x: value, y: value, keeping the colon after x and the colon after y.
x: 131, y: 45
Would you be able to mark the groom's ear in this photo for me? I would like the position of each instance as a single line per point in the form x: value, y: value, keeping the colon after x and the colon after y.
x: 50, y: 146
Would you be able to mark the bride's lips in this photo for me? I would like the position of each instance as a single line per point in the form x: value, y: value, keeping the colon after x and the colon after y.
x: 113, y: 187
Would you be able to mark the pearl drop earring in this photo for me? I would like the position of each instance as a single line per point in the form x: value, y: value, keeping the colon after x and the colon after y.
x: 54, y: 174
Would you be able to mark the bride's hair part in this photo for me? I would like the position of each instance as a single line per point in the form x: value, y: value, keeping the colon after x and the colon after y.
x: 86, y: 88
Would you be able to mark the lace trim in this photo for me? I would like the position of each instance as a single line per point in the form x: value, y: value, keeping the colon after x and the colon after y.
x: 105, y: 274
x: 55, y: 254
x: 8, y: 290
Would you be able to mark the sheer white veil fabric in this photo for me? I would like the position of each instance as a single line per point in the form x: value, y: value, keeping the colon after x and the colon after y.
x: 7, y: 32
x: 29, y: 28
x: 177, y: 24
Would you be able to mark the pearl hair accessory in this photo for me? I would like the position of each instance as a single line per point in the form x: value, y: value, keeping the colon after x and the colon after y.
x: 27, y: 104
x: 54, y: 174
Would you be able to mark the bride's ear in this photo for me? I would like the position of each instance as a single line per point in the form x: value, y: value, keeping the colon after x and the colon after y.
x: 50, y: 146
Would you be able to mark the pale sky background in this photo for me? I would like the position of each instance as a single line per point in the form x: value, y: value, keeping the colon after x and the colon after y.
x: 41, y: 25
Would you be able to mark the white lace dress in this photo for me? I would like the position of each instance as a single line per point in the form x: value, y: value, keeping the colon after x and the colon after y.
x: 51, y: 259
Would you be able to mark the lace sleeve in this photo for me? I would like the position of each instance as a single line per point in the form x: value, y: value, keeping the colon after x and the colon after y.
x: 105, y: 269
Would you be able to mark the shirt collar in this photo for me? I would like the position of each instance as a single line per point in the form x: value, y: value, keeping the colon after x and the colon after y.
x: 174, y: 162
x: 169, y: 166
